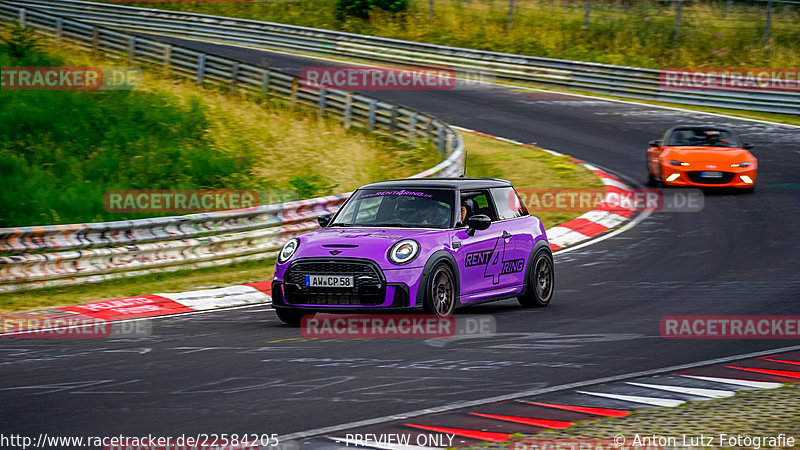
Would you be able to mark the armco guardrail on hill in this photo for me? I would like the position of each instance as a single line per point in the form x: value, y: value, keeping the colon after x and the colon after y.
x: 614, y: 80
x: 97, y: 251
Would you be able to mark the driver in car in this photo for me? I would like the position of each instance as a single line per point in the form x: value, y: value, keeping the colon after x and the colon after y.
x: 467, y: 208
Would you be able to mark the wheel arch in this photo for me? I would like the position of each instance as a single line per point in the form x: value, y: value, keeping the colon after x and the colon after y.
x: 541, y: 245
x: 436, y: 258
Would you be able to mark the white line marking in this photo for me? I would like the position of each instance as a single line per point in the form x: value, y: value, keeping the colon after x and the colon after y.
x: 528, y: 393
x: 615, y: 183
x: 604, y: 218
x: 564, y: 237
x: 668, y: 402
x: 735, y: 382
x: 710, y: 393
x: 219, y: 298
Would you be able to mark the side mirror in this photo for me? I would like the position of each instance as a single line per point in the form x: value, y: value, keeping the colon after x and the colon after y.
x: 478, y: 222
x: 655, y: 143
x: 323, y: 221
x: 747, y: 146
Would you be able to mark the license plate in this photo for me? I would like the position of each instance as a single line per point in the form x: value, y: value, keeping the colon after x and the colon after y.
x: 332, y: 281
x: 711, y: 174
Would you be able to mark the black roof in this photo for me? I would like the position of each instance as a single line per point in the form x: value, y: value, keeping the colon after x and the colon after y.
x: 462, y: 183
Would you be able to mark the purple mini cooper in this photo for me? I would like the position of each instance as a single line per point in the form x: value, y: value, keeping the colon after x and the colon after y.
x: 417, y: 244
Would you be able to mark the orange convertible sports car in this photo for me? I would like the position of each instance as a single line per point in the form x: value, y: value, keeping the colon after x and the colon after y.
x: 701, y: 156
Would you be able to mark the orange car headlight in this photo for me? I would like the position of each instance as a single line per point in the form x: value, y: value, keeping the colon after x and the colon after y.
x: 741, y: 164
x: 677, y: 163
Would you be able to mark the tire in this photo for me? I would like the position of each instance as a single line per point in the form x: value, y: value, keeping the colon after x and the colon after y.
x: 658, y: 178
x: 440, y: 291
x: 541, y: 282
x: 291, y: 318
x: 651, y: 180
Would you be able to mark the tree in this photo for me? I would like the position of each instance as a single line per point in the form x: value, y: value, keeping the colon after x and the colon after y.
x: 21, y: 42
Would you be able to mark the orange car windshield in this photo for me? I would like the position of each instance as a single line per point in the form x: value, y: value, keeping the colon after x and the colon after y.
x: 702, y: 138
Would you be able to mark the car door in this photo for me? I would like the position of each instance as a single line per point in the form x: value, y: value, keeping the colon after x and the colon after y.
x: 515, y: 224
x: 480, y: 257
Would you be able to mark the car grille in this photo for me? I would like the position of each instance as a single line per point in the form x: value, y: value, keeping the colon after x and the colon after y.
x: 696, y: 178
x: 369, y: 287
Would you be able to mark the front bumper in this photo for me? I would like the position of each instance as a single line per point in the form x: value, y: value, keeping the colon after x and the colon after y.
x: 678, y: 176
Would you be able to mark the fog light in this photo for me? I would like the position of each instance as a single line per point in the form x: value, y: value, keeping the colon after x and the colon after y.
x: 673, y: 177
x: 746, y: 179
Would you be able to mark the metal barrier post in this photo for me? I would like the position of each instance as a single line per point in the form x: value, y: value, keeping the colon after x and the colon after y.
x: 167, y: 58
x: 131, y: 48
x: 348, y: 109
x: 373, y: 105
x: 201, y: 68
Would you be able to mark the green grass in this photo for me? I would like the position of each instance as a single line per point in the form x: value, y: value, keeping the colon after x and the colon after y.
x: 60, y: 151
x: 528, y: 168
x: 635, y: 33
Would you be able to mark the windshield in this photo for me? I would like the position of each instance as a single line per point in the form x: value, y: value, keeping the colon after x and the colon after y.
x: 702, y: 137
x: 405, y: 208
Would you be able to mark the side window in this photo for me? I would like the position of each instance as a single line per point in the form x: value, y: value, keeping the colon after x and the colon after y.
x: 508, y: 203
x: 478, y: 203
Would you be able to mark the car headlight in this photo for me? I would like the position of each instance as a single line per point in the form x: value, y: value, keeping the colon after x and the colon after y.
x: 677, y: 163
x: 288, y: 250
x: 403, y: 252
x: 741, y: 164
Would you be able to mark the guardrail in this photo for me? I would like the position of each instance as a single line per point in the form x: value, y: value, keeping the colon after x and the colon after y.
x: 607, y: 79
x: 93, y: 252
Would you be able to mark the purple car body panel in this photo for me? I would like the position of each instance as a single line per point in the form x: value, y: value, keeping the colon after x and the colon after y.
x: 373, y: 244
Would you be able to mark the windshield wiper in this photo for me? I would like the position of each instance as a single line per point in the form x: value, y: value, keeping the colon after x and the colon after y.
x: 339, y: 225
x: 400, y: 225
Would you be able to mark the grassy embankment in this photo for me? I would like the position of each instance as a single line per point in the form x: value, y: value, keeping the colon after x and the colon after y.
x: 60, y: 151
x: 68, y: 147
x: 628, y: 33
x: 631, y: 33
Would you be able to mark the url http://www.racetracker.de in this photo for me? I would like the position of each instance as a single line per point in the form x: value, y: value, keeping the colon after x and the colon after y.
x: 200, y: 441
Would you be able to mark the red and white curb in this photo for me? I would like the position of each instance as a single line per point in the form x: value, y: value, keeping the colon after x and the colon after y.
x: 153, y: 305
x: 607, y: 216
x: 504, y: 418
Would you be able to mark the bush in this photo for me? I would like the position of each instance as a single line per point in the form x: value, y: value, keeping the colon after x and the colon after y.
x: 310, y: 186
x: 361, y: 8
x: 22, y: 42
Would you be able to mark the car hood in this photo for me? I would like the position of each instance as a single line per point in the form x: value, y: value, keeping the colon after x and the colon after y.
x: 355, y: 242
x: 725, y: 156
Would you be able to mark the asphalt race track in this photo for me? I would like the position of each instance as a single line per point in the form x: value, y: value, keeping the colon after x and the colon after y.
x: 242, y: 371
